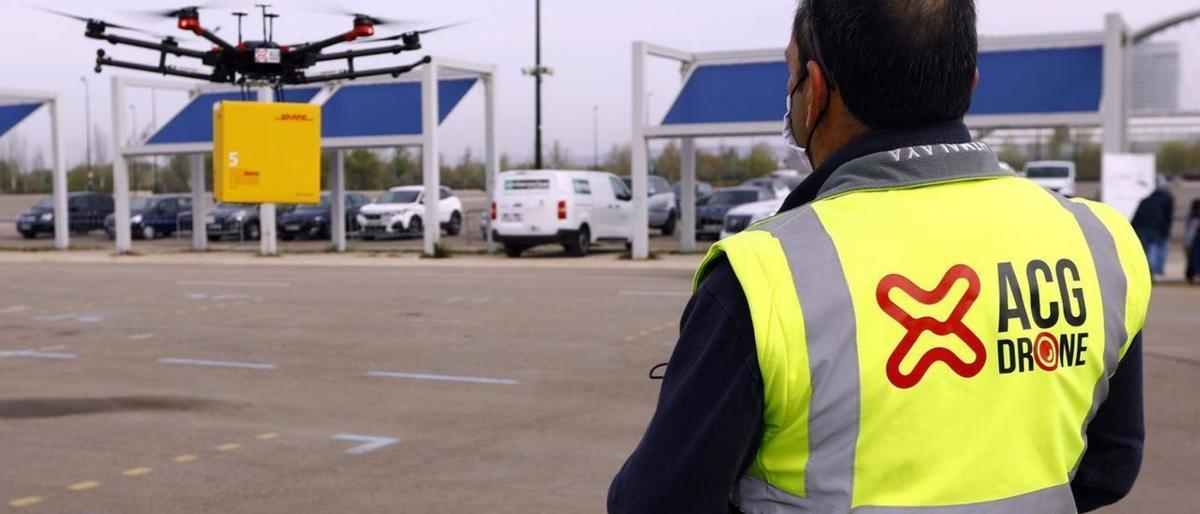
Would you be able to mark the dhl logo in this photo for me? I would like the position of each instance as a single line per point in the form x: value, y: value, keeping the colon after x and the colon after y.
x: 293, y: 117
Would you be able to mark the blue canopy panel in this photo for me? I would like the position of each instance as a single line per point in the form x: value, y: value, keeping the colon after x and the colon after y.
x: 388, y: 109
x: 11, y: 115
x: 732, y: 93
x: 1040, y: 81
x: 194, y: 124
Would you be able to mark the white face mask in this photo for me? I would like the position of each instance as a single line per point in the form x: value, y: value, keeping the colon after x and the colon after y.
x: 789, y: 138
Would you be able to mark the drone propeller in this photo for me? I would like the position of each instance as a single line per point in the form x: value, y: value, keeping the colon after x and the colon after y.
x: 421, y: 32
x: 378, y: 21
x: 105, y: 24
x: 173, y: 12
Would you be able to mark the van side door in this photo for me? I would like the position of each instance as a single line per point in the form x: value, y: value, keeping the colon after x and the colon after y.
x: 622, y: 210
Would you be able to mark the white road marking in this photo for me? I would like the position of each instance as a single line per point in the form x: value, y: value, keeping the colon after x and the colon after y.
x: 219, y: 364
x: 484, y: 299
x: 654, y: 293
x: 139, y: 337
x: 230, y: 296
x: 232, y: 284
x: 72, y: 316
x: 369, y: 443
x: 40, y: 353
x: 444, y: 378
x: 14, y: 309
x: 456, y: 299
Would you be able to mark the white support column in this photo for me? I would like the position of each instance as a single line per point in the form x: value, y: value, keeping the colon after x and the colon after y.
x: 1116, y: 90
x: 337, y: 211
x: 429, y: 155
x: 62, y: 225
x: 640, y: 165
x: 199, y: 203
x: 268, y: 244
x: 687, y: 190
x: 120, y: 170
x: 491, y: 156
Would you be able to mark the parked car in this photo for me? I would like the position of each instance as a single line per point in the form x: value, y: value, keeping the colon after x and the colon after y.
x: 85, y: 213
x: 232, y: 220
x: 710, y: 212
x: 1058, y: 176
x: 663, y: 207
x: 741, y: 217
x: 314, y: 221
x: 573, y: 208
x: 703, y: 189
x: 153, y: 216
x: 400, y: 211
x: 777, y: 187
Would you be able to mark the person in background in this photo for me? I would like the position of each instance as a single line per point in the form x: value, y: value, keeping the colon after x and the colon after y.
x: 1152, y: 222
x: 1191, y: 242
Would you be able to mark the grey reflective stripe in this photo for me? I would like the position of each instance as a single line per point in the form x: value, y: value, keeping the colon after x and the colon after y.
x: 768, y: 500
x: 1054, y: 500
x: 914, y: 166
x: 1113, y: 288
x: 832, y: 345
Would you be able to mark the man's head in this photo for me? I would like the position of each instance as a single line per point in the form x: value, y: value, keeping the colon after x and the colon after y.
x: 858, y: 65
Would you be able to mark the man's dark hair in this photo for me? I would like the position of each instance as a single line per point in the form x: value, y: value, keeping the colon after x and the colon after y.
x: 895, y: 62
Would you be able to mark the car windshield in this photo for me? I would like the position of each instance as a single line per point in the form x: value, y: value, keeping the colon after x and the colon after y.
x: 141, y: 203
x: 230, y: 207
x: 44, y: 203
x: 400, y: 196
x: 1048, y: 172
x: 735, y: 197
x: 325, y: 201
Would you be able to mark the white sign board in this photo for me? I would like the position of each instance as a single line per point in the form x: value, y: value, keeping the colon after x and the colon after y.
x: 1126, y: 179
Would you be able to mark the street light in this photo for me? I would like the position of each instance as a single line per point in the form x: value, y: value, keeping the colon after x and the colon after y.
x: 537, y: 71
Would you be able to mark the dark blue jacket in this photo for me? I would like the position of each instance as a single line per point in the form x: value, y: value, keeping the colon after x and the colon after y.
x: 708, y: 424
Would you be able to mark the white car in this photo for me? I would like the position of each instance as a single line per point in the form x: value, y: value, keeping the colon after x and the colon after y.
x: 1057, y: 176
x: 401, y: 211
x: 573, y: 208
x: 741, y: 217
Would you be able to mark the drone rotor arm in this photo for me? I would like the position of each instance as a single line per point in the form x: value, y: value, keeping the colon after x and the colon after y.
x: 351, y: 75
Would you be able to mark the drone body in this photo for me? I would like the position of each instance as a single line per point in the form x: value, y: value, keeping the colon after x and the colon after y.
x: 256, y: 62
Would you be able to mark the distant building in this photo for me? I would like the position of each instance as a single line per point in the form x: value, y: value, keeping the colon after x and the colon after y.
x: 1156, y: 78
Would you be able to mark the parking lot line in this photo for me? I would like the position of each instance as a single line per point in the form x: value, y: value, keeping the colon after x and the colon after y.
x: 84, y: 486
x: 14, y: 309
x: 232, y: 284
x: 27, y: 501
x: 37, y: 354
x: 137, y: 472
x: 227, y: 447
x: 185, y: 458
x: 266, y: 436
x: 219, y: 364
x: 139, y: 337
x: 443, y: 378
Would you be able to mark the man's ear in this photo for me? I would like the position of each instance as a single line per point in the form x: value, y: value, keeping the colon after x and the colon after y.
x: 818, y: 91
x: 975, y: 83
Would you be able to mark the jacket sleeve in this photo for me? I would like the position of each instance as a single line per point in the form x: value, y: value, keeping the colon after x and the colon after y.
x: 1113, y: 457
x: 708, y: 422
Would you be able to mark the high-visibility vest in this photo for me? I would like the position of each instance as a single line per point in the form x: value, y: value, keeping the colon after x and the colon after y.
x: 934, y: 335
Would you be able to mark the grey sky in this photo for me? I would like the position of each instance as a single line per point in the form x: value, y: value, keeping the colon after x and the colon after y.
x: 587, y: 42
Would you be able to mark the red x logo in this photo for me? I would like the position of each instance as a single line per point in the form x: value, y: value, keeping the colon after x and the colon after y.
x: 917, y: 326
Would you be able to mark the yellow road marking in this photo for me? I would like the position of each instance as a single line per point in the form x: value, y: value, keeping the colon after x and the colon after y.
x: 27, y: 501
x: 184, y: 458
x: 228, y: 447
x: 136, y: 472
x: 83, y: 486
x: 267, y: 436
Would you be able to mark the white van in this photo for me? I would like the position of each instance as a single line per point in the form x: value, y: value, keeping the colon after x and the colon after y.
x: 1057, y: 176
x: 571, y: 208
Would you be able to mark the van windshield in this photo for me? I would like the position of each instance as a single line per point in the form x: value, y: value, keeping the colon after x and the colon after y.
x: 1048, y: 172
x: 527, y: 184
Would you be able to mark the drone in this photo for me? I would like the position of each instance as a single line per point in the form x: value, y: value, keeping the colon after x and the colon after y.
x: 257, y: 62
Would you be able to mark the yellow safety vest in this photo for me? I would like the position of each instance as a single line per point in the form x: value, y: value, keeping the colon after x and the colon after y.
x: 934, y: 335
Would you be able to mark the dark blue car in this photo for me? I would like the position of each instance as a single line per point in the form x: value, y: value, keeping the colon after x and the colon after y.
x: 85, y: 212
x: 710, y: 212
x: 312, y: 221
x: 155, y: 216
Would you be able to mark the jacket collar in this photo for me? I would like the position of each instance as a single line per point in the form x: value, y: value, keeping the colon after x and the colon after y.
x: 857, y: 165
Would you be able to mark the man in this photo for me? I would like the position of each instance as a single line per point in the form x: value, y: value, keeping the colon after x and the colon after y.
x: 917, y: 330
x: 1152, y: 222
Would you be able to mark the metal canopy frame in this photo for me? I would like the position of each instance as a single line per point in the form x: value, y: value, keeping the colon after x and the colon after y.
x: 1112, y: 114
x: 53, y: 102
x: 428, y: 140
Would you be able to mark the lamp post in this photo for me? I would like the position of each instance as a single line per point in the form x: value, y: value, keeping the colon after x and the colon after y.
x: 596, y: 136
x: 537, y: 71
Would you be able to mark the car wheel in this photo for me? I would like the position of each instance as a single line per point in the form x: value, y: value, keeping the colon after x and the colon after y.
x: 29, y: 235
x: 148, y: 233
x: 286, y: 237
x: 212, y: 237
x: 366, y: 237
x: 416, y: 227
x: 513, y: 250
x: 582, y: 243
x: 251, y: 231
x: 668, y: 229
x: 455, y: 225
